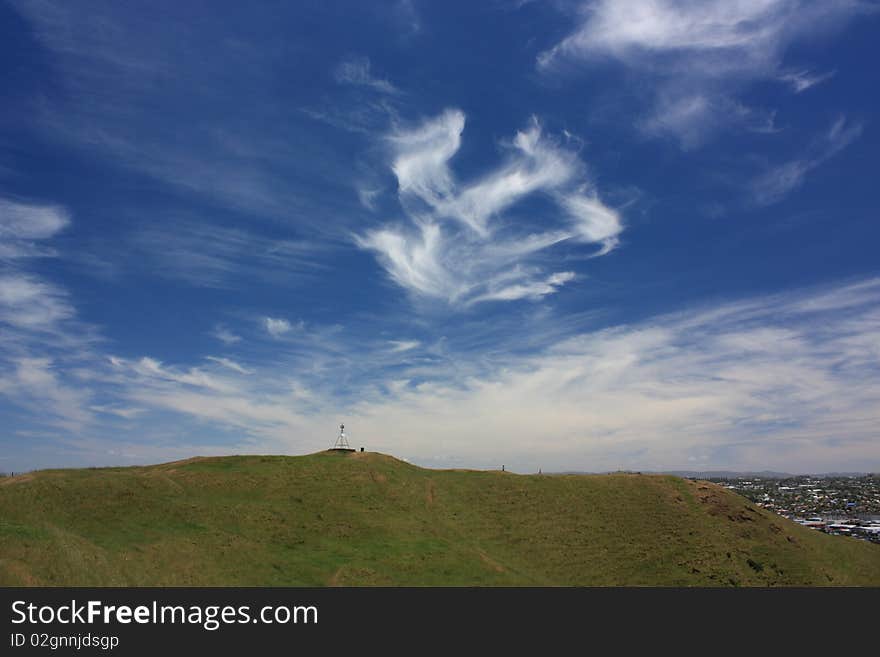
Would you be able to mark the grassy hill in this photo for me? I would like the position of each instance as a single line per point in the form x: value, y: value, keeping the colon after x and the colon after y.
x: 369, y: 519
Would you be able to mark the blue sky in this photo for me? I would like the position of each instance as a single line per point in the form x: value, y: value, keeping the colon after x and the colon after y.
x: 557, y: 235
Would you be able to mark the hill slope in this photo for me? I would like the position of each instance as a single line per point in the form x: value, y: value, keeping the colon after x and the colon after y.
x: 353, y: 519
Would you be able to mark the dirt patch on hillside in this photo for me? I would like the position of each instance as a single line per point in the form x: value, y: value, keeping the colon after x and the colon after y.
x: 721, y: 502
x: 20, y: 572
x: 429, y: 494
x: 348, y: 575
x: 712, y: 496
x: 489, y: 561
x: 335, y: 577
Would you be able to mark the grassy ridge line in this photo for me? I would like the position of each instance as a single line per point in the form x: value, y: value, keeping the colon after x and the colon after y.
x: 369, y: 519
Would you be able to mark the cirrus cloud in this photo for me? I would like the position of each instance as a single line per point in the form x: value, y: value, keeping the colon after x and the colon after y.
x: 697, y: 55
x: 461, y: 243
x: 23, y: 223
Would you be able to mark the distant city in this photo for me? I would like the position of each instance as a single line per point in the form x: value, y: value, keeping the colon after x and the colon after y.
x: 846, y: 505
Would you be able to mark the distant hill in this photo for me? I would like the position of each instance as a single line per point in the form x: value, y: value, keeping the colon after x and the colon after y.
x: 764, y: 474
x: 728, y: 474
x: 733, y: 474
x: 370, y: 519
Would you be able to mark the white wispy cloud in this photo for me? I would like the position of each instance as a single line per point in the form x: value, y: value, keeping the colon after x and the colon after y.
x: 27, y: 302
x: 225, y: 336
x: 276, y: 327
x: 531, y: 290
x: 207, y: 255
x: 421, y: 157
x: 127, y: 413
x: 148, y: 369
x: 460, y: 244
x: 778, y: 181
x: 229, y: 364
x: 28, y: 221
x: 698, y: 54
x: 37, y: 316
x: 801, y: 80
x: 693, y: 115
x: 406, y: 16
x: 21, y: 224
x: 41, y: 339
x: 356, y: 71
x: 367, y: 196
x: 34, y: 384
x: 398, y: 346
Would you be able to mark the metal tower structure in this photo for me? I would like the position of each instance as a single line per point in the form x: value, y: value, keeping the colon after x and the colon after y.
x: 341, y: 444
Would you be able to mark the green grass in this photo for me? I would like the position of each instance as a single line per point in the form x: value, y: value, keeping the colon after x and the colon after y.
x: 369, y: 519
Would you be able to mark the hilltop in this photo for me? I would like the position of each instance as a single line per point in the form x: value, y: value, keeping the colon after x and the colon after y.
x: 370, y: 519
